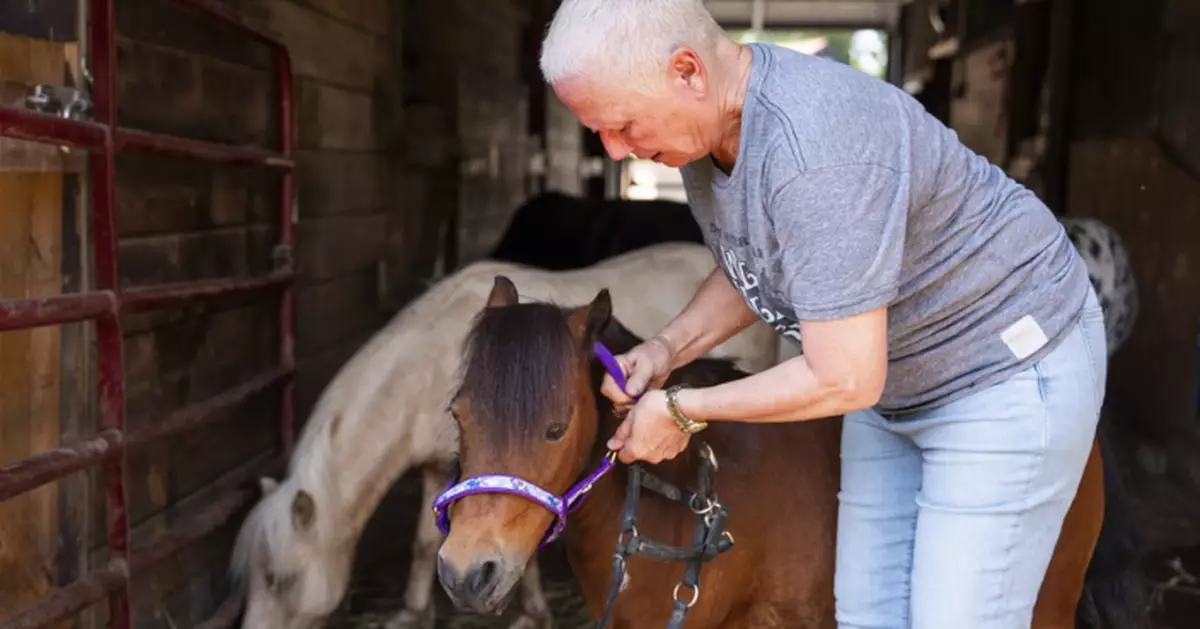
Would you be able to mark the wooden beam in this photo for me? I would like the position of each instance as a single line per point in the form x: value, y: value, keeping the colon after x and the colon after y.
x: 1059, y: 77
x: 807, y: 13
x: 31, y: 257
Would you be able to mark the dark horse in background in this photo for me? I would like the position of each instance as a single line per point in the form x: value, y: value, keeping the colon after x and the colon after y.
x: 558, y: 232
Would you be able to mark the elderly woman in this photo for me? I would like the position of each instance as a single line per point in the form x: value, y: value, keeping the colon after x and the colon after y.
x: 942, y: 308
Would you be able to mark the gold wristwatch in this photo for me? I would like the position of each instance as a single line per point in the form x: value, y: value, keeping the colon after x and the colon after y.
x: 685, y: 424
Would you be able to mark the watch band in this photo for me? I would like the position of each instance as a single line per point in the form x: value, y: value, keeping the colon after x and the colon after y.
x: 685, y: 423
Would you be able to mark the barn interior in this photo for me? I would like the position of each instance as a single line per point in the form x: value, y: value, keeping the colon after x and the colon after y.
x: 207, y: 207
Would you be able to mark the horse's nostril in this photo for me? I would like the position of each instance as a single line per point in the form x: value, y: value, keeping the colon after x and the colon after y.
x: 473, y: 585
x: 485, y: 577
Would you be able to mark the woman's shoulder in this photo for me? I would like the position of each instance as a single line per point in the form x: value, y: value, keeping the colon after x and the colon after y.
x: 822, y: 113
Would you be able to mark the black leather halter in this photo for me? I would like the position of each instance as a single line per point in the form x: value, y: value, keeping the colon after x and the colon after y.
x: 709, y: 539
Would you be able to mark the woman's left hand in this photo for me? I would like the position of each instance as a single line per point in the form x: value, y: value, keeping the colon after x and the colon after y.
x: 649, y: 433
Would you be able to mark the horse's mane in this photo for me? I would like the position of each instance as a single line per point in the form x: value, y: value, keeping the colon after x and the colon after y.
x: 515, y: 360
x: 517, y: 357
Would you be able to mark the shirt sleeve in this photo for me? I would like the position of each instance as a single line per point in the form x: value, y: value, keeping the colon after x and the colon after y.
x: 841, y: 233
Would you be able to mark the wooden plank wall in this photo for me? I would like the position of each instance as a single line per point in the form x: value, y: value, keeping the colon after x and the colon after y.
x: 355, y: 194
x: 1124, y: 80
x: 373, y: 196
x: 384, y: 133
x: 36, y: 183
x: 183, y: 220
x: 492, y: 116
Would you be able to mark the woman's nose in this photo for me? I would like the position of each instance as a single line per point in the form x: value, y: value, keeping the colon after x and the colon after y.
x: 616, y: 148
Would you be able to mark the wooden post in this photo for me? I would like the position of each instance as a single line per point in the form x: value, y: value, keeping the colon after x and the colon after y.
x: 31, y: 225
x: 1059, y: 77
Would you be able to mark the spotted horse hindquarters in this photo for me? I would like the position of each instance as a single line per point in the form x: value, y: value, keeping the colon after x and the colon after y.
x: 1110, y: 272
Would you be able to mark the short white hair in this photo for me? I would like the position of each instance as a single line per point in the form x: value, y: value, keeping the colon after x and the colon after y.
x: 624, y: 40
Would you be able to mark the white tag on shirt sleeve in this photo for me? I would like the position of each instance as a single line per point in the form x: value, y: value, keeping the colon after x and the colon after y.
x: 1024, y: 337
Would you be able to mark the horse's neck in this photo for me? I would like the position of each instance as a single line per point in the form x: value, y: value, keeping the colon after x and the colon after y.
x: 388, y: 417
x: 597, y: 518
x: 386, y: 448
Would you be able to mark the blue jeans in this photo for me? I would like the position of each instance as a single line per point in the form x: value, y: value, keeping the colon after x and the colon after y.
x: 947, y: 518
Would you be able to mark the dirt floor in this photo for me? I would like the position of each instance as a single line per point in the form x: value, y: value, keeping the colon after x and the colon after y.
x: 377, y: 591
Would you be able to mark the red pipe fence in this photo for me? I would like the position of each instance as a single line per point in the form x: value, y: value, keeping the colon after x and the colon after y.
x: 107, y: 302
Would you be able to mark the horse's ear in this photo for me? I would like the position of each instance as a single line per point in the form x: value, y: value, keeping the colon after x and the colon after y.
x: 599, y: 312
x: 304, y: 510
x: 266, y: 484
x: 587, y: 322
x: 504, y: 293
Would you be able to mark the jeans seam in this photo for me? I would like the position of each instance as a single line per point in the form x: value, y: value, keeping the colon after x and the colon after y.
x: 912, y: 545
x: 1019, y: 521
x: 872, y: 420
x: 1091, y: 356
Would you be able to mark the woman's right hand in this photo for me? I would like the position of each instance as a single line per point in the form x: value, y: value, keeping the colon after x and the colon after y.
x: 649, y: 363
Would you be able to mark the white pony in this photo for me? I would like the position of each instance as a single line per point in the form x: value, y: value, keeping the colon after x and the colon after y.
x: 384, y: 413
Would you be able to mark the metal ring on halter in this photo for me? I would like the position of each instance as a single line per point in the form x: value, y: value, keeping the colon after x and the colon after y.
x: 706, y: 509
x: 621, y: 536
x: 695, y: 594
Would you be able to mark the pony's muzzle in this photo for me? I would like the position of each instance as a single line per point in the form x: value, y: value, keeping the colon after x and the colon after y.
x: 480, y: 588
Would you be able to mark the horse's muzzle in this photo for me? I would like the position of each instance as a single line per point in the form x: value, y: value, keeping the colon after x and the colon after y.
x: 483, y: 588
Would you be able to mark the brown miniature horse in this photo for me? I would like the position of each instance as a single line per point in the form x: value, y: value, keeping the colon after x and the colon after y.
x: 529, y: 407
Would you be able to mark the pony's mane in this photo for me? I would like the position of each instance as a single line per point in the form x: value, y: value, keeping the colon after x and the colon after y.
x: 268, y: 522
x: 515, y: 360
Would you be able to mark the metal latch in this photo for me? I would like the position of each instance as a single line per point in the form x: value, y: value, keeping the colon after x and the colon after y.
x: 46, y: 99
x: 43, y: 100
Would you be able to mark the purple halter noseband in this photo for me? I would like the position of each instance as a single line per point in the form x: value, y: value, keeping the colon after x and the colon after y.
x: 560, y: 506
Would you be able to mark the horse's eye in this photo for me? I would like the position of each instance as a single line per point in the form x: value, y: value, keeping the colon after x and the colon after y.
x: 269, y: 580
x: 556, y: 431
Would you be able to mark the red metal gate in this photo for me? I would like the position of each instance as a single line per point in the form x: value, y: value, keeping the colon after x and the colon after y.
x: 105, y: 305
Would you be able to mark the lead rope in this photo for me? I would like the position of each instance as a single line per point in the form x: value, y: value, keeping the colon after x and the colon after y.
x: 709, y: 539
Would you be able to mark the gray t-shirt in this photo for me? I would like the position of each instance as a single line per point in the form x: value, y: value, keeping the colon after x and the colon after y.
x: 847, y: 195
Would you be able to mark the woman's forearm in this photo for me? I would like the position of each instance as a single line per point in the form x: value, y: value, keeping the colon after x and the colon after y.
x: 843, y: 369
x: 787, y: 392
x: 715, y: 314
